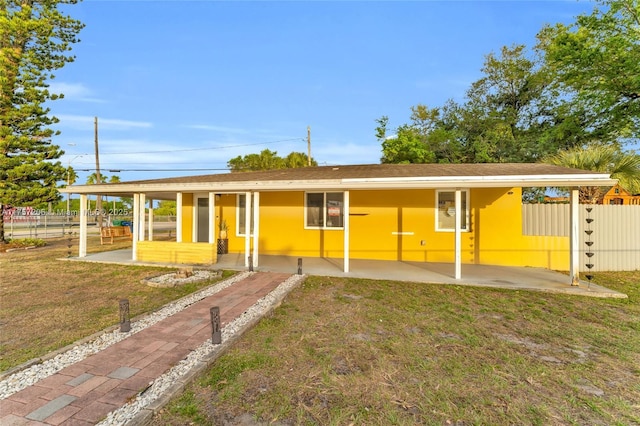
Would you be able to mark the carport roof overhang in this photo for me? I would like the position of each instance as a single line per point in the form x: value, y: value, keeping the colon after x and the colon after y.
x: 372, y: 176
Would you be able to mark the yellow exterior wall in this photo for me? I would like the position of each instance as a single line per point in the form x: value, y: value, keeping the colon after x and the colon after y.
x: 178, y: 253
x: 384, y: 225
x: 499, y: 236
x: 395, y: 225
x: 282, y: 228
x: 187, y: 218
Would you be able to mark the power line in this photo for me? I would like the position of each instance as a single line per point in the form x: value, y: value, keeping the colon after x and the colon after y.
x: 152, y: 170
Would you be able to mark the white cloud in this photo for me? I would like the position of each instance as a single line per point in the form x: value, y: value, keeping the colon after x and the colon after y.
x: 83, y: 122
x: 74, y: 92
x: 220, y: 129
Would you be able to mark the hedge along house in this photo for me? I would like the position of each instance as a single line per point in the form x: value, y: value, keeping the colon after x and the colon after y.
x: 402, y: 212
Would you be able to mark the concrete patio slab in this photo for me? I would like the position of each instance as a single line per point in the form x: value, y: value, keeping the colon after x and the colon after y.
x: 506, y: 277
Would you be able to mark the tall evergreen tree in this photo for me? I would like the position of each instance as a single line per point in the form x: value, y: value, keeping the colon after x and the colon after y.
x: 35, y: 40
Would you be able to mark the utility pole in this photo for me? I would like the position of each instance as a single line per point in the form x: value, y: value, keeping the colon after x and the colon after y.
x: 309, y: 146
x: 98, y: 178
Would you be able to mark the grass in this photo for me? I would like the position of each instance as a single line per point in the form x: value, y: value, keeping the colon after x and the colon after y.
x: 46, y: 303
x: 352, y: 351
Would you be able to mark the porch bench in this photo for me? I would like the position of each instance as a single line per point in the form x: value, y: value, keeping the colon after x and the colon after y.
x: 115, y: 232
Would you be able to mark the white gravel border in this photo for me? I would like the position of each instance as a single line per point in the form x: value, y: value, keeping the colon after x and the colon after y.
x: 169, y: 384
x: 31, y: 375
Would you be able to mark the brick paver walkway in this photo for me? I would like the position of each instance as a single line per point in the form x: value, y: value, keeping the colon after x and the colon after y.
x: 85, y: 392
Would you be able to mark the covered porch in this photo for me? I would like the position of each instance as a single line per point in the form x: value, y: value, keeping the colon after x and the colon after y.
x: 505, y: 277
x: 392, y: 213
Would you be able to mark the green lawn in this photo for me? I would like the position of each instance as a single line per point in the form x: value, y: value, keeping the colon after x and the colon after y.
x: 352, y: 351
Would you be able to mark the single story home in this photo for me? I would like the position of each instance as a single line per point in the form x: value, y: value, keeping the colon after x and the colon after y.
x: 457, y: 213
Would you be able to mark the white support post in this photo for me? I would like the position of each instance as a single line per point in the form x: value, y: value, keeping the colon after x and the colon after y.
x: 458, y: 232
x: 82, y: 246
x: 212, y: 218
x: 179, y: 217
x: 136, y: 226
x: 150, y: 219
x: 574, y: 238
x: 247, y: 228
x: 256, y: 227
x: 142, y: 217
x: 347, y: 230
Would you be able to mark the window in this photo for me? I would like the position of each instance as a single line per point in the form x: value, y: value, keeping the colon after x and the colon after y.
x: 324, y: 210
x: 241, y: 217
x: 446, y: 210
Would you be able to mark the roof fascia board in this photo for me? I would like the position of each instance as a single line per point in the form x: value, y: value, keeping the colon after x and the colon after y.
x: 345, y: 184
x: 589, y: 176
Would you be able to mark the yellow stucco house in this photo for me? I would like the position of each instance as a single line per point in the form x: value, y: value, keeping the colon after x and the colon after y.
x: 403, y: 212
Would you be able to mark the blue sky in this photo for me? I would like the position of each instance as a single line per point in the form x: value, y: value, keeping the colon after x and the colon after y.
x: 192, y: 84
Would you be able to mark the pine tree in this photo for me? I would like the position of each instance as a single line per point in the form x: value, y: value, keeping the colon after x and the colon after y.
x: 35, y: 38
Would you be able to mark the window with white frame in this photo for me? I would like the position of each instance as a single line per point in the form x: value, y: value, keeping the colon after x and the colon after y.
x: 241, y: 215
x: 324, y: 210
x: 446, y: 210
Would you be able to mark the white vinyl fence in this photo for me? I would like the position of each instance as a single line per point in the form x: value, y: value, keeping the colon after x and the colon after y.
x: 615, y: 236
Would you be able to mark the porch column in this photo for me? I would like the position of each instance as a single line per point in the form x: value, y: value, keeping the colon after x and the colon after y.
x: 136, y: 226
x: 574, y: 238
x: 179, y: 217
x: 256, y: 227
x: 212, y: 218
x: 247, y: 228
x: 82, y: 245
x: 345, y: 212
x: 458, y: 231
x: 150, y: 219
x: 142, y: 217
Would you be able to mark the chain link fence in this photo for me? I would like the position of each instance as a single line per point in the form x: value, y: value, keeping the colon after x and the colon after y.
x: 44, y: 225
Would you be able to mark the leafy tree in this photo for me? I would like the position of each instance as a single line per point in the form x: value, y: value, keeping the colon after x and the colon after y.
x: 596, y: 64
x: 34, y: 40
x: 166, y: 208
x: 511, y: 105
x: 268, y: 160
x: 624, y: 166
x: 298, y: 159
x: 506, y: 118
